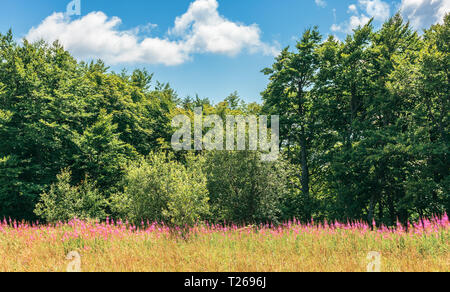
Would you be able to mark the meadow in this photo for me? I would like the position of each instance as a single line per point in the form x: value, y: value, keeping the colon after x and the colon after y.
x: 290, y: 247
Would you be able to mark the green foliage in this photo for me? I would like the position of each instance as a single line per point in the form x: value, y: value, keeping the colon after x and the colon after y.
x: 243, y: 188
x: 288, y: 95
x: 64, y: 201
x: 160, y: 189
x: 376, y: 116
x: 15, y: 199
x: 56, y: 113
x: 364, y: 131
x: 102, y: 154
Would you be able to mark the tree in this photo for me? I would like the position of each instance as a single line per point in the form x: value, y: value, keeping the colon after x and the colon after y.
x: 37, y: 112
x: 424, y: 82
x: 233, y: 100
x: 57, y: 113
x: 244, y: 189
x: 291, y: 78
x: 102, y: 154
x: 364, y: 127
x: 163, y: 190
x: 64, y: 202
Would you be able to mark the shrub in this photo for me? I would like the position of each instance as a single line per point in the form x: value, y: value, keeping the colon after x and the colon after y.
x: 160, y: 189
x: 64, y: 201
x: 243, y: 188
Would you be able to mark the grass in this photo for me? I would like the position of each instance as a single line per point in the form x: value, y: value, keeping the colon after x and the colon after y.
x: 291, y: 247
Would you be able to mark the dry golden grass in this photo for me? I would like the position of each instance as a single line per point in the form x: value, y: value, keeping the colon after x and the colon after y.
x: 292, y: 249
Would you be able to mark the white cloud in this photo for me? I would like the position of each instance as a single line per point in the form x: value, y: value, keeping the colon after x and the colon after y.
x: 376, y: 9
x: 321, y: 3
x: 336, y: 28
x: 356, y: 21
x: 423, y: 13
x: 204, y: 30
x: 97, y: 36
x: 352, y: 8
x: 200, y: 30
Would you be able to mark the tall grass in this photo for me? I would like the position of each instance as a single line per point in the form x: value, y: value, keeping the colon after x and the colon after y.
x: 120, y: 246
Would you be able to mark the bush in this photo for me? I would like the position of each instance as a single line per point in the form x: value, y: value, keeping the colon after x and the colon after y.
x: 160, y: 189
x: 64, y: 201
x: 245, y: 189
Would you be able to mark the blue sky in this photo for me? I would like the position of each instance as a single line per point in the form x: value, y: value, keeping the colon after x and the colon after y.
x: 205, y: 47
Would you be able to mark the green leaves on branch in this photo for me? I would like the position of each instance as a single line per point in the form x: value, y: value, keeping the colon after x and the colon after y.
x: 64, y: 202
x: 160, y: 189
x: 56, y: 113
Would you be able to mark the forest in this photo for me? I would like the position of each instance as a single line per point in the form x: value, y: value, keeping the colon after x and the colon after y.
x: 364, y: 135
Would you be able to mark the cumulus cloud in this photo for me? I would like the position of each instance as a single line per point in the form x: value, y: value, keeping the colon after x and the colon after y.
x: 423, y: 13
x: 376, y: 9
x: 97, y: 36
x: 354, y: 22
x: 200, y: 30
x: 321, y: 3
x: 204, y: 30
x: 352, y: 8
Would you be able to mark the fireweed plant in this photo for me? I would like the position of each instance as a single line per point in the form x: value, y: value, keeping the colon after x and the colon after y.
x: 291, y: 246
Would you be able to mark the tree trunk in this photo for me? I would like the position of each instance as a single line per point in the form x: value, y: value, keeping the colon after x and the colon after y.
x: 392, y: 209
x: 305, y: 173
x: 304, y: 153
x: 381, y: 211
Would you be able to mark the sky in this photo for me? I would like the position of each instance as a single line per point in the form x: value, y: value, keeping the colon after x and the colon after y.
x: 206, y: 47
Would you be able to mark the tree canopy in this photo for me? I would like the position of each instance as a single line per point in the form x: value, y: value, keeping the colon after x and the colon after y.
x: 364, y: 134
